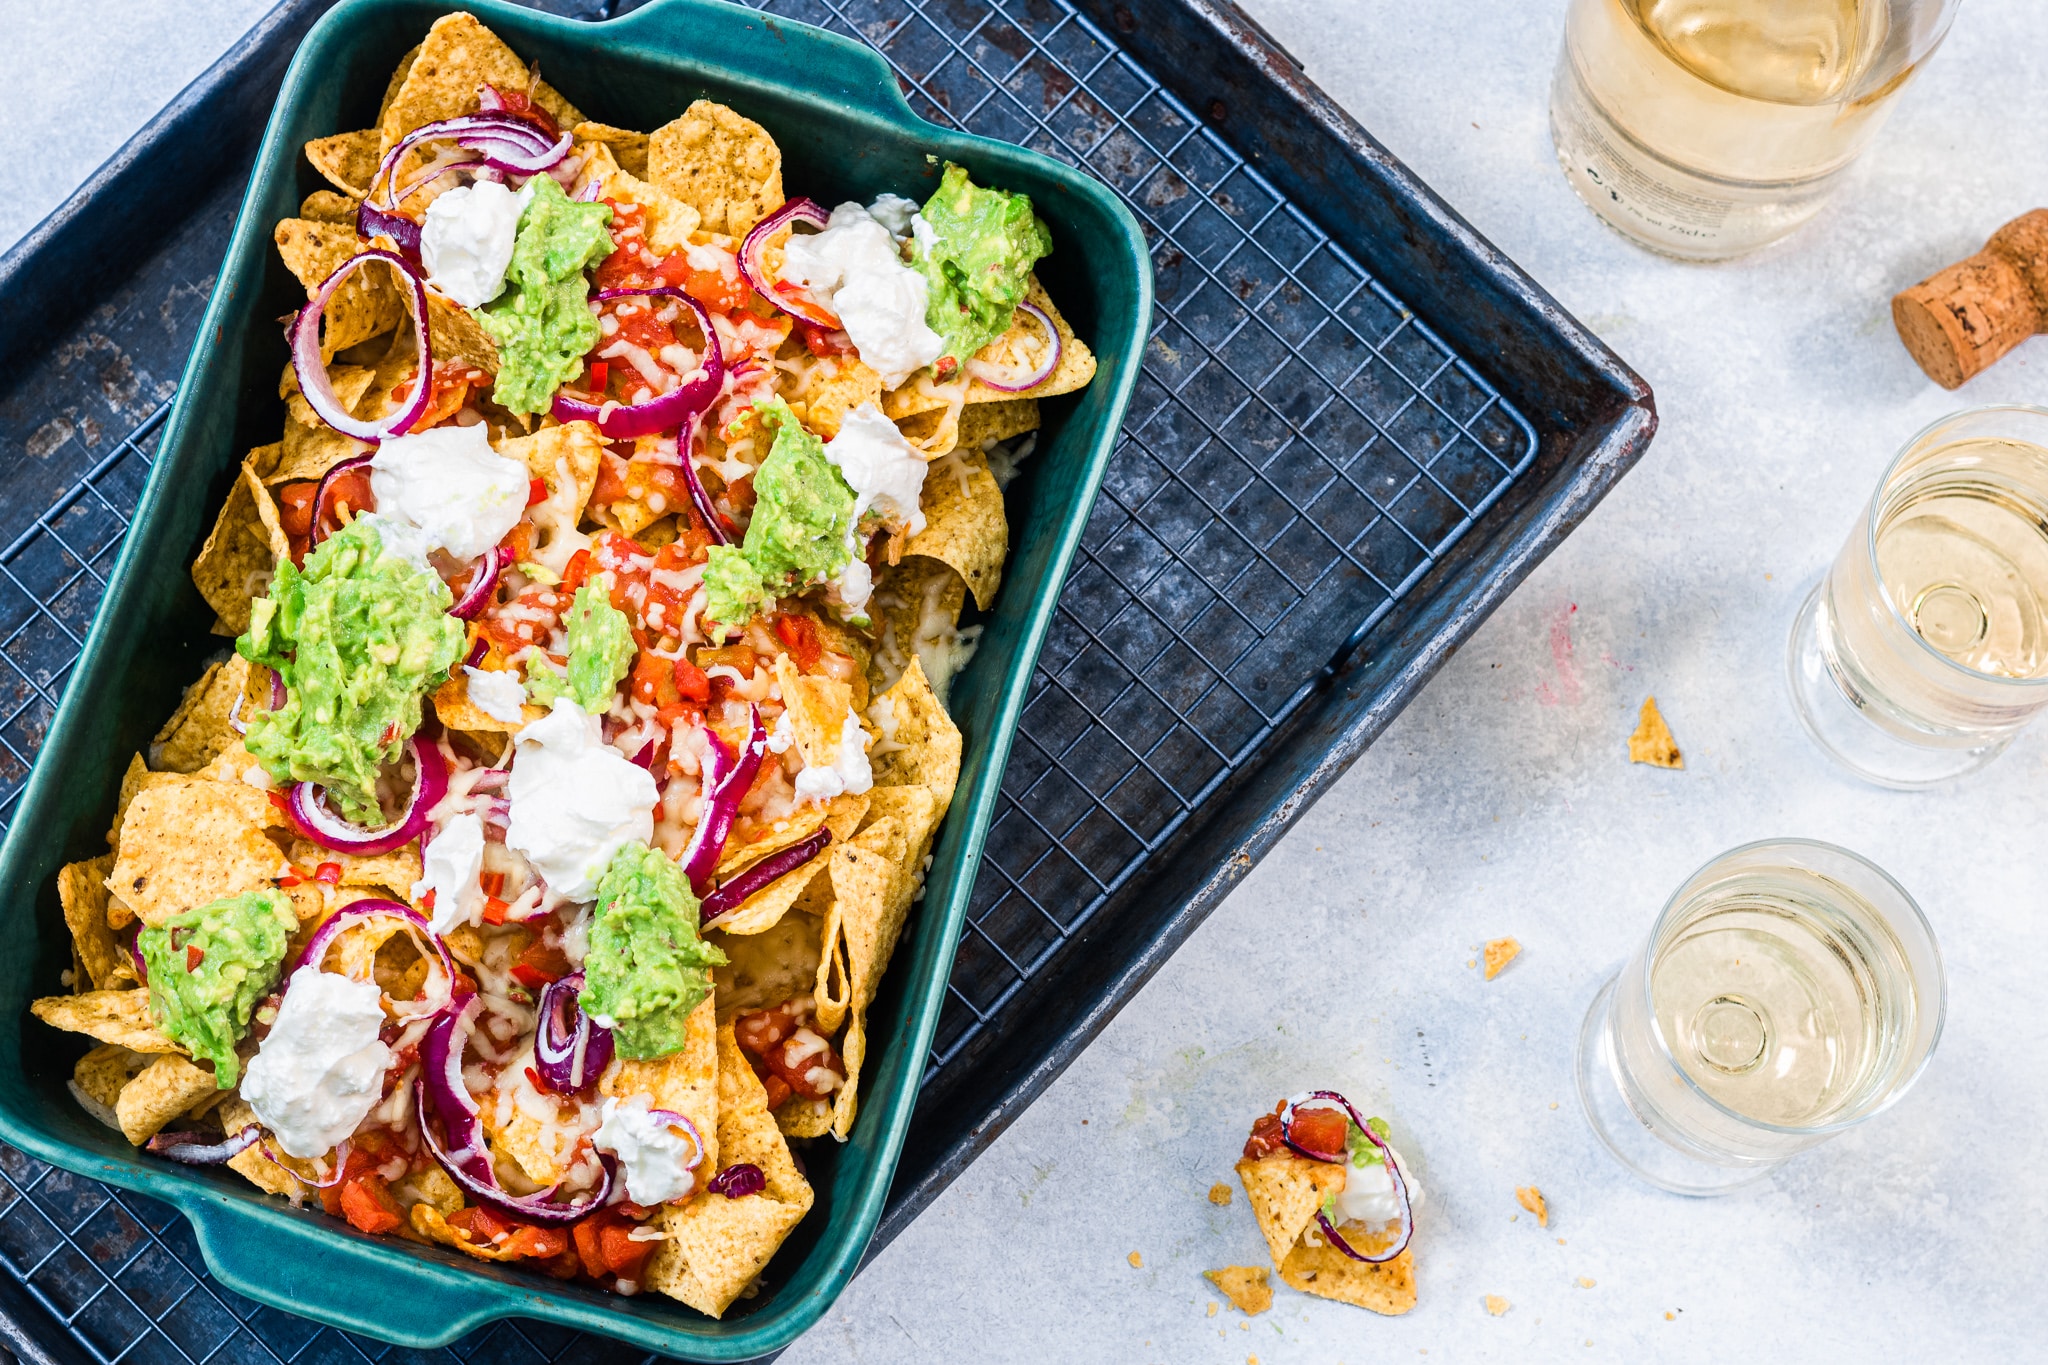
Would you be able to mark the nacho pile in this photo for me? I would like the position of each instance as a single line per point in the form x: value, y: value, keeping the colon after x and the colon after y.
x: 523, y: 881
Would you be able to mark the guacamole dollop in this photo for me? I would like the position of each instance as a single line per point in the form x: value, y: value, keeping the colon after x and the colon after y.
x: 975, y: 253
x: 542, y: 322
x: 646, y: 968
x: 601, y: 652
x: 359, y: 636
x: 802, y: 531
x: 209, y: 966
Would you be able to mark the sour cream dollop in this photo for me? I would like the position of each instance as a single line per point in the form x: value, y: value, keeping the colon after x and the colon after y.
x: 449, y: 484
x: 855, y: 269
x: 575, y: 800
x: 885, y: 471
x: 496, y: 693
x: 847, y: 772
x: 321, y: 1069
x: 661, y: 1163
x: 466, y: 242
x: 454, y: 857
x: 1368, y: 1193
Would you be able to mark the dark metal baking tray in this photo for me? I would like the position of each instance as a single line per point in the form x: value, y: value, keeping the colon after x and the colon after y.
x: 1360, y: 427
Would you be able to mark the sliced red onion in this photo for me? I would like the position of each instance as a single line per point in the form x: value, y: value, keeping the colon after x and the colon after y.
x: 682, y: 1121
x: 340, y: 1167
x: 1005, y: 379
x: 483, y: 581
x: 569, y: 1058
x: 751, y: 265
x: 664, y: 412
x: 199, y: 1149
x: 235, y: 721
x: 714, y: 520
x: 738, y: 1180
x: 312, y: 370
x: 723, y: 791
x: 477, y: 652
x: 732, y: 893
x: 278, y: 696
x: 308, y: 809
x: 590, y: 193
x: 1407, y: 1212
x: 440, y: 1092
x: 134, y: 941
x: 499, y: 136
x: 403, y: 231
x: 324, y: 492
x: 352, y: 914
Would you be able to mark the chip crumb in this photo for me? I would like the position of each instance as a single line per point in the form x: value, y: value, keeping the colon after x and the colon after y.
x: 1670, y: 1316
x: 1497, y: 1305
x: 1219, y: 1193
x: 1584, y: 1283
x: 1244, y: 1285
x: 1137, y: 1261
x: 1560, y: 1241
x: 1531, y: 1198
x: 1472, y: 962
x: 1553, y: 1104
x: 1652, y: 742
x: 1213, y: 1306
x: 1499, y: 953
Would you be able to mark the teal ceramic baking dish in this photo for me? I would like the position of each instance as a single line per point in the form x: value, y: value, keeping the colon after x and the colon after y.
x: 845, y: 132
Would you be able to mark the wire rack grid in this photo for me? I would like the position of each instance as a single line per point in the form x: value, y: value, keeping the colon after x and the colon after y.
x: 1301, y: 449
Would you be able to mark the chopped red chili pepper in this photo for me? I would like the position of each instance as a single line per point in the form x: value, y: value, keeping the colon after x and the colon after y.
x: 194, y: 955
x: 494, y: 910
x: 536, y: 491
x: 367, y: 1204
x: 492, y: 883
x: 329, y: 873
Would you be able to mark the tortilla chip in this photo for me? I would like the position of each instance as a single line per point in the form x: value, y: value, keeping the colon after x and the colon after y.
x: 925, y: 746
x: 628, y: 148
x: 669, y: 220
x: 1531, y: 1198
x: 916, y: 607
x: 166, y: 1088
x: 432, y: 1224
x: 851, y: 383
x: 398, y: 869
x: 964, y: 522
x: 191, y: 842
x: 455, y: 335
x: 97, y: 1079
x: 1499, y: 953
x: 348, y: 160
x: 117, y: 1017
x: 310, y: 447
x: 1244, y: 1285
x: 199, y: 729
x: 763, y: 840
x: 724, y: 165
x: 976, y: 427
x: 765, y: 908
x: 453, y: 706
x: 685, y: 1082
x: 767, y: 967
x: 330, y: 206
x: 716, y: 1246
x: 567, y: 455
x: 447, y: 73
x: 1387, y: 1288
x: 1285, y: 1192
x: 1652, y: 742
x: 432, y: 1186
x: 522, y: 1141
x: 82, y: 887
x: 234, y: 567
x: 366, y: 305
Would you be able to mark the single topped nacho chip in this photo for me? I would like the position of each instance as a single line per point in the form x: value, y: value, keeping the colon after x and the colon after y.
x: 118, y: 1017
x: 1075, y: 369
x: 192, y: 842
x: 348, y: 160
x: 201, y: 728
x: 964, y: 523
x: 82, y: 889
x: 166, y: 1088
x: 724, y: 165
x: 1285, y: 1191
x: 716, y: 1245
x: 447, y: 74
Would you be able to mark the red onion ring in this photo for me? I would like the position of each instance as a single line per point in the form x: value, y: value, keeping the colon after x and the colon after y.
x: 738, y: 1180
x: 323, y: 491
x: 308, y: 809
x: 477, y: 652
x: 346, y: 918
x: 498, y: 130
x: 569, y: 1059
x: 755, y: 243
x: 1005, y: 380
x: 483, y: 581
x: 671, y: 410
x: 199, y: 1149
x: 403, y: 231
x: 733, y: 892
x: 311, y: 369
x: 1407, y: 1212
x: 723, y: 791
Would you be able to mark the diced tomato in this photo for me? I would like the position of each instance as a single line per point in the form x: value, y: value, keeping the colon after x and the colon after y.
x: 821, y: 341
x: 771, y: 1038
x: 194, y: 955
x: 546, y: 958
x: 494, y: 910
x: 346, y: 495
x: 578, y: 570
x: 611, y: 481
x: 480, y: 1225
x: 520, y: 102
x: 739, y: 494
x: 777, y: 1088
x: 623, y: 269
x: 1320, y: 1130
x: 739, y: 658
x: 653, y: 680
x: 492, y: 883
x: 536, y: 492
x: 360, y: 1161
x: 427, y: 901
x: 691, y: 684
x: 329, y: 873
x: 530, y: 977
x: 368, y: 1205
x: 799, y: 634
x: 623, y: 1256
x: 589, y: 1245
x: 539, y: 1243
x: 295, y: 514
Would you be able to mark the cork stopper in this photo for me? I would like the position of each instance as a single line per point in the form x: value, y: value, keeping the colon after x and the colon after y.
x: 1956, y: 322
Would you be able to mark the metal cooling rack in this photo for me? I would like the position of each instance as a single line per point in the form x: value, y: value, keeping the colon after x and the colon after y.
x: 1300, y: 451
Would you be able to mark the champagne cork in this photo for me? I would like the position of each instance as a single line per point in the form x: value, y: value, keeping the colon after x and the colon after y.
x: 1956, y: 322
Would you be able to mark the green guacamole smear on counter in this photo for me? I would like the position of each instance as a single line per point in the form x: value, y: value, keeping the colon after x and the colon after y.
x: 646, y: 968
x: 359, y: 636
x: 601, y: 652
x: 976, y: 257
x: 209, y: 966
x: 802, y: 531
x: 542, y: 322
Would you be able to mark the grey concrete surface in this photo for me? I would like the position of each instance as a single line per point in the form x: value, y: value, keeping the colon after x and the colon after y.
x: 1502, y: 803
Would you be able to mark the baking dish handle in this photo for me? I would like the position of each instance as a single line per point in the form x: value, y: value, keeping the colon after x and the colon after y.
x: 306, y: 1263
